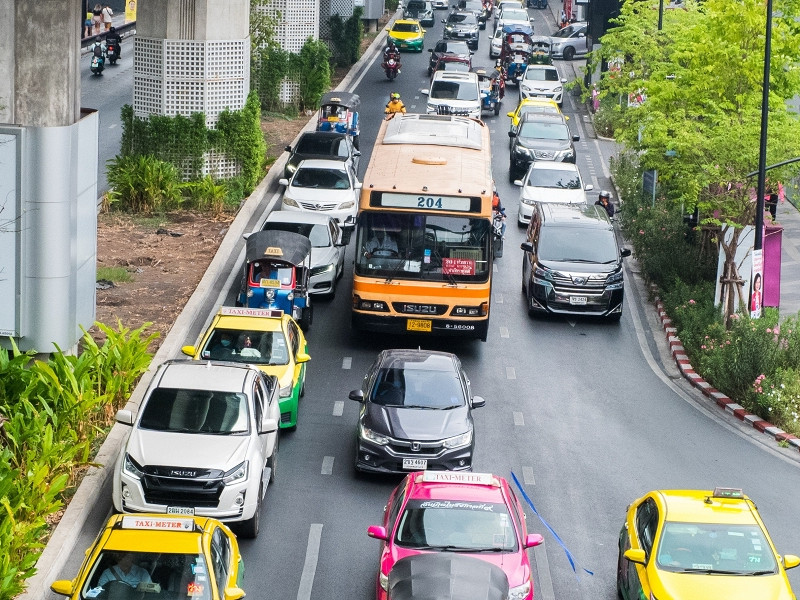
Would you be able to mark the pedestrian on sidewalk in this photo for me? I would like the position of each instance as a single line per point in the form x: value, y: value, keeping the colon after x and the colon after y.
x: 107, y: 14
x: 97, y: 19
x: 87, y: 25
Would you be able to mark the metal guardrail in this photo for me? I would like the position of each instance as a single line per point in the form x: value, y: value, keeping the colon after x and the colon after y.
x: 127, y: 28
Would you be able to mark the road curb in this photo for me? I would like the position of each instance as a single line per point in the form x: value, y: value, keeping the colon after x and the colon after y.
x: 678, y: 353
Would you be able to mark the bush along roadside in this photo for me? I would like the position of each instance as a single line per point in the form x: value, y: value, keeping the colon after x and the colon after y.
x: 52, y: 414
x: 754, y: 362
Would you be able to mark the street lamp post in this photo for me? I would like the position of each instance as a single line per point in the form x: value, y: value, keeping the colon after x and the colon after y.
x: 762, y: 150
x: 660, y: 14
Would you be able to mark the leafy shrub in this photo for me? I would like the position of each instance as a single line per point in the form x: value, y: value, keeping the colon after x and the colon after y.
x: 143, y: 184
x: 347, y: 35
x: 692, y: 310
x: 777, y: 398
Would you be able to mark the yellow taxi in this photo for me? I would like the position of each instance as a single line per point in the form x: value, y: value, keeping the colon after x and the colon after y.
x: 533, y: 105
x: 159, y: 556
x: 407, y: 34
x: 267, y: 338
x: 687, y: 544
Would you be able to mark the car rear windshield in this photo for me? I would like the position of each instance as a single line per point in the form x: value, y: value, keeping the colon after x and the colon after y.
x: 578, y: 244
x: 317, y: 234
x: 417, y: 388
x: 541, y: 75
x: 463, y: 18
x: 552, y: 178
x: 456, y: 525
x: 453, y: 90
x: 544, y: 131
x: 514, y: 14
x: 321, y: 146
x: 196, y: 411
x: 327, y: 179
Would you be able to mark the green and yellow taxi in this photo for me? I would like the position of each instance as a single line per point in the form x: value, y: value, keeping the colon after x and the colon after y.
x: 266, y: 338
x: 407, y: 34
x: 533, y: 105
x: 688, y: 544
x: 159, y: 556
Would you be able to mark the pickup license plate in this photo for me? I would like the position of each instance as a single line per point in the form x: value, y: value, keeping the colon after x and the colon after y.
x: 577, y: 300
x: 418, y: 325
x: 415, y: 464
x: 187, y: 511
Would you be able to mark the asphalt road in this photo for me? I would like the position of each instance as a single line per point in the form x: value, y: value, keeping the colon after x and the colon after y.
x: 581, y: 411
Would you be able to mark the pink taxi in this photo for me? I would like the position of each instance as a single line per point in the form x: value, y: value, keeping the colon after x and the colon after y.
x: 461, y: 512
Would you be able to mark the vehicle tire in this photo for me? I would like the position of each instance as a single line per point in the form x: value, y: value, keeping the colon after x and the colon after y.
x: 430, y: 71
x: 272, y: 461
x: 496, y: 108
x: 307, y: 318
x: 356, y: 142
x: 249, y: 529
x: 569, y: 53
x: 615, y: 318
x: 498, y: 247
x: 302, y: 388
x: 512, y: 174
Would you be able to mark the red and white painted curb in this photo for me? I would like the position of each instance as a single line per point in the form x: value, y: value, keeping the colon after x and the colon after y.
x: 724, y: 402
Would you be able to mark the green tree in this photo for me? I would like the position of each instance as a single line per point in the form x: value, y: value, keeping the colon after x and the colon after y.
x: 699, y: 123
x: 312, y: 71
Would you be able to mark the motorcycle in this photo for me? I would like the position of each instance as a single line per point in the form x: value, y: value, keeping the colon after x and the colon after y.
x: 391, y: 65
x: 498, y: 219
x: 97, y: 65
x: 112, y: 51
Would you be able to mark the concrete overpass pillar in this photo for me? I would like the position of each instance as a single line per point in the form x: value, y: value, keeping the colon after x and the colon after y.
x: 48, y: 181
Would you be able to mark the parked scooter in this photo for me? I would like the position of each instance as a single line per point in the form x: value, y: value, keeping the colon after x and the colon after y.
x: 98, y: 62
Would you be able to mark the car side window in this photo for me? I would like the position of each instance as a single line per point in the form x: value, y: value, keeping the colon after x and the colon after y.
x: 334, y: 230
x: 220, y: 559
x: 294, y: 338
x: 394, y: 508
x: 646, y: 521
x: 258, y: 401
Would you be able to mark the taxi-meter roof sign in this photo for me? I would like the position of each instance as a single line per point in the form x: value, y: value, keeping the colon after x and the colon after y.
x: 457, y: 477
x: 160, y: 524
x: 237, y: 311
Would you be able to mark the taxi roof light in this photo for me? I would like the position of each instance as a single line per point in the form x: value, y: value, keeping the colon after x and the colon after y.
x: 157, y: 523
x: 237, y: 311
x: 459, y: 477
x: 729, y: 493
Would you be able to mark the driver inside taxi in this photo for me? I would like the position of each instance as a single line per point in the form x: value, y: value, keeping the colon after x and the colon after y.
x: 125, y: 570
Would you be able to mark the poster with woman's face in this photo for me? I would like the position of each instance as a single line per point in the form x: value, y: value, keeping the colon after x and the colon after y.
x: 757, y: 284
x: 130, y: 11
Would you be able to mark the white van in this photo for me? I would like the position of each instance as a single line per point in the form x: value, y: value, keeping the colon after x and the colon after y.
x: 454, y: 92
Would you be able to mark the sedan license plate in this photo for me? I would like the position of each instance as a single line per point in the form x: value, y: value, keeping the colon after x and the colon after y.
x: 577, y: 300
x: 415, y: 464
x: 418, y: 325
x: 187, y: 511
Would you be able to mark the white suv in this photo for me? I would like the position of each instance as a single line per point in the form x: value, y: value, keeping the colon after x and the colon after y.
x: 204, y: 442
x: 453, y: 92
x: 542, y: 81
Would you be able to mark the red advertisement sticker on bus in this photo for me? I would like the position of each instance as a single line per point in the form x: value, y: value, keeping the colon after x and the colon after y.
x: 458, y: 266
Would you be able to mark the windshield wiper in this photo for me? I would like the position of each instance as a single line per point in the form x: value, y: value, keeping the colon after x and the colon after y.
x: 711, y: 571
x: 448, y: 548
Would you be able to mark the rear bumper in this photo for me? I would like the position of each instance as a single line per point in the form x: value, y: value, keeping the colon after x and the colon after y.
x: 473, y: 328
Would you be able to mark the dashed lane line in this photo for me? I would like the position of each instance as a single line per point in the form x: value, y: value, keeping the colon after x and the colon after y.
x: 327, y: 465
x: 338, y: 408
x: 310, y: 564
x: 347, y: 362
x: 519, y: 419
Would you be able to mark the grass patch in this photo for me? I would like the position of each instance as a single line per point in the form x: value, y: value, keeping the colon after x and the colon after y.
x: 115, y: 274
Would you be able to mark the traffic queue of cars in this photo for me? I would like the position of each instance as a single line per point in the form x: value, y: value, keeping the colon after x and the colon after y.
x: 203, y: 446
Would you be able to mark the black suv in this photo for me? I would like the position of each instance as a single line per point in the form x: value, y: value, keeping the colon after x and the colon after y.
x: 322, y: 144
x: 572, y: 263
x: 540, y: 136
x: 476, y: 7
x: 442, y: 47
x: 462, y: 25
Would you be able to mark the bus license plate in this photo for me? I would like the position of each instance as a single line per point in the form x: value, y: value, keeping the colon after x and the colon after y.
x: 418, y: 325
x: 415, y: 464
x: 578, y: 300
x: 180, y: 510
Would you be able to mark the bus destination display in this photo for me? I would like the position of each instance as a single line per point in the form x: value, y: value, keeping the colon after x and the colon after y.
x: 452, y: 203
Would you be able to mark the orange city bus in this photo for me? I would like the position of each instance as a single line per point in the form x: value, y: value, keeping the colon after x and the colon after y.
x: 424, y: 246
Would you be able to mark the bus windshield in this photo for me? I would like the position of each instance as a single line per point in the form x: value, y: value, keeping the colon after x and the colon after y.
x: 423, y: 247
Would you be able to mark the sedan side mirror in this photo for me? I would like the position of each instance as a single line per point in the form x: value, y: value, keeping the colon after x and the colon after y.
x: 357, y: 395
x: 430, y: 50
x: 512, y: 134
x: 268, y: 425
x: 301, y: 357
x: 636, y: 555
x: 790, y: 561
x: 588, y: 187
x: 478, y: 402
x: 288, y: 148
x: 625, y: 252
x: 189, y: 350
x: 62, y: 587
x: 533, y: 539
x: 518, y: 182
x: 124, y: 417
x: 358, y: 185
x: 576, y: 138
x: 511, y: 114
x: 377, y: 532
x: 563, y: 80
x: 283, y: 181
x: 233, y: 593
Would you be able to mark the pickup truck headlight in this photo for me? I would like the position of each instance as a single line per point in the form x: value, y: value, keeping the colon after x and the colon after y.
x: 237, y: 473
x: 371, y: 436
x: 129, y: 467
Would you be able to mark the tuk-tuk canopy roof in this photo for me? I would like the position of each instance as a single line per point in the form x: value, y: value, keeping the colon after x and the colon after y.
x: 285, y: 246
x: 439, y: 576
x: 541, y: 39
x: 347, y: 99
x: 518, y: 28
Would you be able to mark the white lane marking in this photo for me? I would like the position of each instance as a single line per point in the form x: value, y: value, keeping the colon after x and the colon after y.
x: 413, y: 106
x: 504, y: 332
x: 338, y: 408
x: 545, y: 590
x: 327, y: 465
x: 347, y: 362
x: 310, y: 564
x: 511, y: 373
x: 498, y: 298
x: 112, y: 126
x: 519, y: 420
x: 527, y: 476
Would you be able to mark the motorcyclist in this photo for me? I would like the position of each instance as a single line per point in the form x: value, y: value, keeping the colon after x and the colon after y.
x: 395, y: 105
x: 391, y: 51
x: 114, y: 38
x: 604, y: 200
x: 98, y: 48
x: 498, y: 210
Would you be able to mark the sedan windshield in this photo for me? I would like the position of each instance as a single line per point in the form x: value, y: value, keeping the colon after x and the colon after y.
x: 710, y: 548
x: 405, y: 28
x: 326, y: 179
x: 544, y: 131
x: 578, y: 244
x: 196, y: 411
x: 552, y: 178
x: 457, y: 525
x: 417, y: 388
x: 251, y: 347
